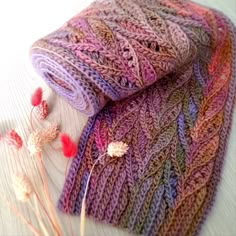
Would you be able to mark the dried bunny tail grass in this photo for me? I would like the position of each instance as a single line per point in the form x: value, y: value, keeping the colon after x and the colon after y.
x: 69, y: 148
x: 34, y: 230
x: 40, y: 137
x: 49, y: 134
x: 22, y: 186
x: 117, y: 149
x: 36, y: 97
x: 23, y: 189
x: 53, y: 217
x: 35, y: 142
x: 13, y: 139
x: 42, y: 110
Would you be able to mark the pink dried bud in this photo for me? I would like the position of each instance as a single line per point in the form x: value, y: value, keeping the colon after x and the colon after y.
x: 36, y: 97
x: 42, y: 110
x: 117, y: 149
x: 68, y: 146
x: 13, y: 139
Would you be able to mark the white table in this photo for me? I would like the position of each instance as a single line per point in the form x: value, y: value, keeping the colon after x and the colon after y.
x: 21, y: 23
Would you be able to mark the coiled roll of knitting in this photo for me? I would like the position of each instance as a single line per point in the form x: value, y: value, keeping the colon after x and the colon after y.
x: 160, y: 75
x: 115, y: 48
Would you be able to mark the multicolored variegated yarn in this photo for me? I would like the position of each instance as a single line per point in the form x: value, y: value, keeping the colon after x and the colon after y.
x: 159, y: 75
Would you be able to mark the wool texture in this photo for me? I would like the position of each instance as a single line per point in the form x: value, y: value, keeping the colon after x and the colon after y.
x: 160, y: 76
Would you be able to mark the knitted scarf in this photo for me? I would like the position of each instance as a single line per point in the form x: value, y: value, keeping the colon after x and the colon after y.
x: 159, y: 75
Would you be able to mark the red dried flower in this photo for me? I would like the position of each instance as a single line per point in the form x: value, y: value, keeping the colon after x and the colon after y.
x: 36, y: 97
x: 42, y: 110
x: 68, y: 146
x: 13, y: 139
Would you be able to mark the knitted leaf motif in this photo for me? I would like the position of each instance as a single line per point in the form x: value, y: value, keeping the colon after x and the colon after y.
x: 205, y: 130
x: 179, y: 159
x: 130, y: 62
x: 100, y: 135
x: 176, y: 97
x: 202, y: 154
x: 153, y: 163
x: 147, y: 70
x: 170, y: 183
x: 214, y: 104
x: 180, y: 40
x: 110, y: 184
x: 198, y: 178
x: 175, y: 225
x: 155, y: 209
x: 129, y: 123
x: 163, y: 139
x: 102, y: 31
x: 170, y: 115
x: 146, y: 204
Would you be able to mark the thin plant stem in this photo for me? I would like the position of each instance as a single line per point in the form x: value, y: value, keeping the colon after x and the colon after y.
x: 35, y: 209
x: 45, y: 210
x: 40, y: 201
x: 21, y: 217
x: 82, y: 215
x: 31, y: 118
x: 55, y: 149
x: 48, y: 197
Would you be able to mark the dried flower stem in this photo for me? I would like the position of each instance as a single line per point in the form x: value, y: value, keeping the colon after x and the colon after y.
x: 69, y: 221
x: 44, y: 210
x: 35, y: 209
x: 82, y: 214
x: 48, y: 198
x: 20, y: 216
x: 37, y: 197
x: 31, y: 118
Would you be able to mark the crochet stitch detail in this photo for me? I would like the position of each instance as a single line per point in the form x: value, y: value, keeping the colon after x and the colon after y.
x: 159, y: 75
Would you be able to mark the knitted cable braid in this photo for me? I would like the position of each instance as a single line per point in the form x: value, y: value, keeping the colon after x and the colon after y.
x: 159, y: 75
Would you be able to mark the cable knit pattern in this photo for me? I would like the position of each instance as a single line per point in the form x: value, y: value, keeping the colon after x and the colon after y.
x: 159, y: 75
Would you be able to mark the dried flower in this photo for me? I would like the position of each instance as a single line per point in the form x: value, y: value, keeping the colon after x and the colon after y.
x: 42, y: 110
x: 35, y: 142
x: 13, y: 139
x: 39, y: 137
x: 22, y: 187
x: 49, y: 134
x: 68, y: 146
x: 117, y: 149
x: 36, y: 97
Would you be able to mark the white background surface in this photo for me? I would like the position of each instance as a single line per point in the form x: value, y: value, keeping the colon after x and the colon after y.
x: 21, y: 23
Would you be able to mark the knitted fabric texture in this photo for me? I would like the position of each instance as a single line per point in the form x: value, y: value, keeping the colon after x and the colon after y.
x: 159, y: 75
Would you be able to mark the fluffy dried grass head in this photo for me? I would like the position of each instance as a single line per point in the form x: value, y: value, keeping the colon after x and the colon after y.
x: 22, y: 186
x: 117, y: 149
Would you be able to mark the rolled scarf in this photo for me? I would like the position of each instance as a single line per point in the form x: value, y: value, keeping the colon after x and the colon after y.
x: 159, y: 75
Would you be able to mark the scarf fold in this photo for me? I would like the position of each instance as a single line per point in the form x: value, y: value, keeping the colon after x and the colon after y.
x: 159, y: 75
